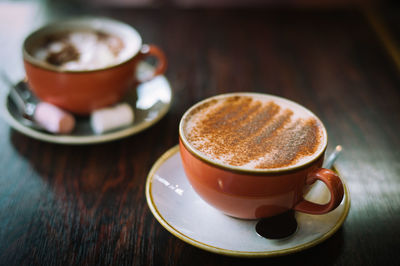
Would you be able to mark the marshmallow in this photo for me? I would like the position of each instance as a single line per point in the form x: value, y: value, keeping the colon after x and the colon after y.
x: 106, y: 119
x: 53, y: 119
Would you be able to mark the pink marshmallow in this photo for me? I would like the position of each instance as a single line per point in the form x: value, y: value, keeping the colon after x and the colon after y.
x: 53, y: 119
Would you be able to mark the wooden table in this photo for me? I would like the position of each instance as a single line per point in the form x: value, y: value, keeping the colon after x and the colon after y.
x: 72, y: 205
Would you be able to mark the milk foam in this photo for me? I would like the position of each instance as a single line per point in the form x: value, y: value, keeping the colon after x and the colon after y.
x: 94, y: 52
x: 233, y: 149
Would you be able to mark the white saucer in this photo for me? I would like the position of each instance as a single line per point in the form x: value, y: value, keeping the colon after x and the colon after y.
x: 153, y: 102
x: 183, y: 213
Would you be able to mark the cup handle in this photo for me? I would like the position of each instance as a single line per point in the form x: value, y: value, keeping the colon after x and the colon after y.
x: 335, y: 186
x: 152, y: 50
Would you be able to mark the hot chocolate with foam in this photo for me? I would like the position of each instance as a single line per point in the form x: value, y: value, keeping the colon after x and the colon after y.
x: 254, y: 131
x: 77, y: 50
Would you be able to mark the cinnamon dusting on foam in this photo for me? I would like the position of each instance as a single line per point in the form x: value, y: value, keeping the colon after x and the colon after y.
x: 252, y: 132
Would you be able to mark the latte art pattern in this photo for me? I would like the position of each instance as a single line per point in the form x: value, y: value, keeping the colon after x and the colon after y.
x: 253, y: 133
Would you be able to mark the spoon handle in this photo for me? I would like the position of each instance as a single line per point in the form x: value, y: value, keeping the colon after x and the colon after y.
x: 332, y: 157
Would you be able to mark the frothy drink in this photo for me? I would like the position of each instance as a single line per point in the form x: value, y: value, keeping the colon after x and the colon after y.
x: 254, y: 131
x: 80, y: 50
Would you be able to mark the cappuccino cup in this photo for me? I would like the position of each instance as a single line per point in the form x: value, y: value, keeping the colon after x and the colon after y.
x: 253, y: 155
x: 87, y: 63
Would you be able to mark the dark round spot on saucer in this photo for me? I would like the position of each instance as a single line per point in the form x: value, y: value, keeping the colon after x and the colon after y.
x: 277, y: 227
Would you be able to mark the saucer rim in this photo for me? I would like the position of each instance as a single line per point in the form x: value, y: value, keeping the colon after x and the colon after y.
x: 82, y: 140
x: 234, y: 253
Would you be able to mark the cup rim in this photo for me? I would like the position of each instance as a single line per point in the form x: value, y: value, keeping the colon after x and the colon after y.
x: 91, y: 22
x: 239, y: 169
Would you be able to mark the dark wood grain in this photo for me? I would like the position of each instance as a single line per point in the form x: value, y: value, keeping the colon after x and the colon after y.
x: 86, y: 204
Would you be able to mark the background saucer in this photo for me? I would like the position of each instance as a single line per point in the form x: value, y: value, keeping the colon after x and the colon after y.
x: 152, y: 103
x: 182, y: 212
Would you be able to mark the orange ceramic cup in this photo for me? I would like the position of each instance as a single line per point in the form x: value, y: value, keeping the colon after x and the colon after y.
x: 258, y: 193
x: 82, y: 91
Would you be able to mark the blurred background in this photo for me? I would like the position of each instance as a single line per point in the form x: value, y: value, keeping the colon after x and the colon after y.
x: 18, y: 18
x: 227, y: 3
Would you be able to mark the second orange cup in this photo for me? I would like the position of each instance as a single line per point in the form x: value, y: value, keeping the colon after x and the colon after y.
x: 94, y: 84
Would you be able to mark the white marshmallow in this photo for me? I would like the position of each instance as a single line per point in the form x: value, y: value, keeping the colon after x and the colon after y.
x: 106, y: 119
